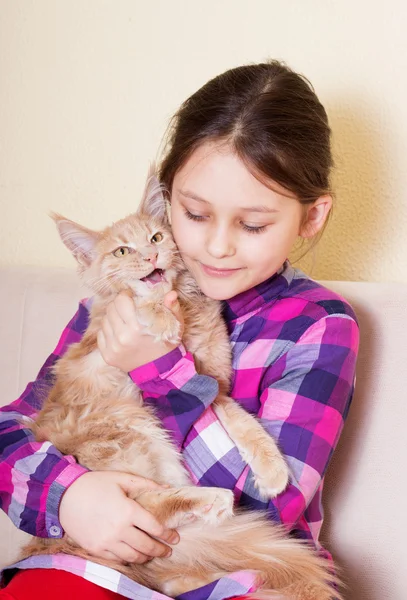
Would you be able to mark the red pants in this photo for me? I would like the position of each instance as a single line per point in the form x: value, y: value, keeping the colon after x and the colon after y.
x: 51, y: 584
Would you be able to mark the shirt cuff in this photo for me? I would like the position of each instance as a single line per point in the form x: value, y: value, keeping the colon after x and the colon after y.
x: 176, y: 367
x: 53, y: 527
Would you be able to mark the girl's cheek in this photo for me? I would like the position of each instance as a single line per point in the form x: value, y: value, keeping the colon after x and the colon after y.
x: 177, y: 230
x: 185, y: 239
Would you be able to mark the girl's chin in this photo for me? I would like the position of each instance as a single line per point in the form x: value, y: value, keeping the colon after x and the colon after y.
x: 218, y: 290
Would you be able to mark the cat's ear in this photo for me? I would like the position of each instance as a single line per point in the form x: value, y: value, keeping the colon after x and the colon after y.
x: 80, y: 240
x: 153, y: 203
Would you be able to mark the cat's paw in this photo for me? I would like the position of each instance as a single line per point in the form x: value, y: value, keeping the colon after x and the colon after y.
x: 171, y: 332
x: 162, y: 324
x: 210, y: 505
x: 216, y: 505
x: 271, y: 476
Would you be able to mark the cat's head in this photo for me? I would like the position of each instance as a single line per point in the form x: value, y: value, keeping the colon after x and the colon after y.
x: 137, y: 253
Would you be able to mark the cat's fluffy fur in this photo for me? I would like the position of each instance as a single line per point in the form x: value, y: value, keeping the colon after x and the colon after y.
x: 95, y: 412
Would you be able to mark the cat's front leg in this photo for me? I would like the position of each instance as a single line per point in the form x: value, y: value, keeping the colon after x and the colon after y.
x: 175, y: 507
x: 255, y: 445
x: 160, y: 322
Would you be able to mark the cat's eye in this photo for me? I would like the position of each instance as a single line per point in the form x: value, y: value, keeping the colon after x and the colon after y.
x: 157, y: 238
x: 122, y: 251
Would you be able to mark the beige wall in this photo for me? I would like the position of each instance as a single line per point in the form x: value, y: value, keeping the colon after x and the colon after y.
x: 87, y: 87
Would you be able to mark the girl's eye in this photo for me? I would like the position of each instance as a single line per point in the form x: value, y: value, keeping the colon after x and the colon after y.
x: 122, y: 251
x: 157, y: 238
x: 257, y: 229
x: 245, y: 227
x: 193, y: 217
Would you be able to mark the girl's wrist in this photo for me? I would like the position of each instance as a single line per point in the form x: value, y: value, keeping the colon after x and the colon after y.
x: 129, y: 359
x: 149, y: 354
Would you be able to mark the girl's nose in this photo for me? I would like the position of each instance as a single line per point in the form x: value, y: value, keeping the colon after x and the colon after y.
x: 220, y: 243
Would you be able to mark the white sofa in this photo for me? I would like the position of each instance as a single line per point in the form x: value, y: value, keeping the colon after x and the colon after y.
x: 365, y: 525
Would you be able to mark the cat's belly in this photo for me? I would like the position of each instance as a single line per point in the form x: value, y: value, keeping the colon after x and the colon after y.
x: 96, y: 413
x: 116, y: 435
x: 134, y: 441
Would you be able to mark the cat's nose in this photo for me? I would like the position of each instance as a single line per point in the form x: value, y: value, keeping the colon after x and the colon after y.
x: 152, y: 258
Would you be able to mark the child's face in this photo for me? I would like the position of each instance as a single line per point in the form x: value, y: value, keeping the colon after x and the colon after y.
x: 233, y: 232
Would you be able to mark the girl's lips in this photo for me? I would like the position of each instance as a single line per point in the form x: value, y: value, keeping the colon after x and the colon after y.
x: 218, y: 272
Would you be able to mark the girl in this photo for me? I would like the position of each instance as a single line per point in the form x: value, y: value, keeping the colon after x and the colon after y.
x: 247, y: 168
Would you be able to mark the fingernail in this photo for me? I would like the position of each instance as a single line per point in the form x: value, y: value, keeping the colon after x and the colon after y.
x: 168, y: 553
x: 174, y: 539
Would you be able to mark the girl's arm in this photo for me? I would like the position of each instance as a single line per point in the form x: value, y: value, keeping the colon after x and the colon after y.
x: 34, y: 475
x: 179, y: 394
x: 165, y: 373
x: 304, y: 403
x: 305, y: 398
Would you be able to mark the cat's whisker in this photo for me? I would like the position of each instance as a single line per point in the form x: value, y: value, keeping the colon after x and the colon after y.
x: 101, y: 284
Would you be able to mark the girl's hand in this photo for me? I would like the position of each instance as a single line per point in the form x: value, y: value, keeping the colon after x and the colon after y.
x: 97, y: 514
x: 121, y: 341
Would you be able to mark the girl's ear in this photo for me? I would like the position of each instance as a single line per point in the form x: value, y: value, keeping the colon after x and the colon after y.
x: 153, y: 203
x: 80, y: 240
x: 315, y: 216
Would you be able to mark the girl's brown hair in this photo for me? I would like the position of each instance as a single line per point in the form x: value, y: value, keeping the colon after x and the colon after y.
x: 271, y: 117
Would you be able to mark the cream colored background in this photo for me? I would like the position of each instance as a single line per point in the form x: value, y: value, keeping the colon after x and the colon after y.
x: 87, y: 88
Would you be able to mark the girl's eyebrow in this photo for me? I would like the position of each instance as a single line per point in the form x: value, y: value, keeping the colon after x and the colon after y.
x: 261, y: 208
x: 188, y: 194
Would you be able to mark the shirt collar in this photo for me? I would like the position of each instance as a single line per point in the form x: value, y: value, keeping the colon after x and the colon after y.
x: 261, y: 294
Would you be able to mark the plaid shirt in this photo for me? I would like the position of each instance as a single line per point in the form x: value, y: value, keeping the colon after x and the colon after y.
x: 294, y: 348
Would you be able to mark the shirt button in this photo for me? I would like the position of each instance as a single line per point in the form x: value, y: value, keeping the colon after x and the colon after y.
x: 55, y: 530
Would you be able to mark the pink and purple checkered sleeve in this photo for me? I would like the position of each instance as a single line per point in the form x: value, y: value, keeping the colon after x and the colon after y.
x: 304, y: 403
x: 34, y: 475
x: 177, y: 392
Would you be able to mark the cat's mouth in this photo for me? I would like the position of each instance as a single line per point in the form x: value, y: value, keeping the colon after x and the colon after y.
x: 156, y: 276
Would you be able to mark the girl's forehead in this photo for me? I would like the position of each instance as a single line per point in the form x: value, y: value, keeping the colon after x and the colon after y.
x: 214, y: 173
x: 209, y: 158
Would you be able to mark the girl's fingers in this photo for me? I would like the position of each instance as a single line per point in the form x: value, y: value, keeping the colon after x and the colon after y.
x: 110, y: 556
x: 106, y: 341
x: 172, y: 303
x: 127, y: 554
x: 125, y: 308
x: 139, y: 483
x: 141, y: 542
x: 144, y: 520
x: 170, y: 298
x: 115, y: 318
x: 101, y: 341
x: 108, y: 332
